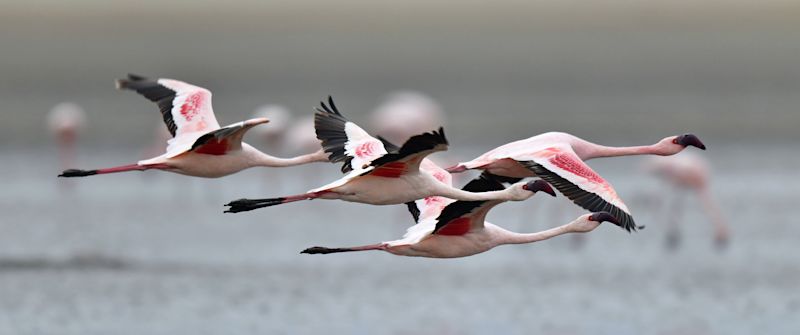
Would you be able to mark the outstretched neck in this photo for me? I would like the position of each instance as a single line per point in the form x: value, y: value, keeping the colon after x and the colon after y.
x: 263, y: 159
x: 604, y: 151
x: 446, y: 191
x: 520, y: 238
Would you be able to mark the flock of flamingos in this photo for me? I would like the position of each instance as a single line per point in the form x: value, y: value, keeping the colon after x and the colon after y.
x: 450, y: 222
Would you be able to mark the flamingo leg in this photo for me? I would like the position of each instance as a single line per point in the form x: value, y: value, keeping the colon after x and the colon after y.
x: 721, y: 230
x: 243, y: 205
x: 123, y: 168
x: 673, y: 217
x: 325, y: 250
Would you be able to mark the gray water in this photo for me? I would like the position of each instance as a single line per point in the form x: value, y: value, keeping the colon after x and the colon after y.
x: 153, y: 253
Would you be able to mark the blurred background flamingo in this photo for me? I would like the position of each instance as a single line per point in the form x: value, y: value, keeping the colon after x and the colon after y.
x: 66, y: 121
x: 684, y: 173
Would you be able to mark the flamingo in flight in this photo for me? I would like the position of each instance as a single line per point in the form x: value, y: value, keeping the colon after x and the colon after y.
x: 689, y: 172
x: 65, y: 122
x: 450, y: 229
x: 377, y: 172
x: 558, y: 158
x: 199, y: 147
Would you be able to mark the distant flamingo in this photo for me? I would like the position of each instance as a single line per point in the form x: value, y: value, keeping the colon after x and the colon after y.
x: 65, y: 122
x: 200, y: 147
x: 404, y: 114
x: 460, y: 230
x: 302, y: 135
x: 378, y: 172
x: 279, y: 119
x: 558, y: 159
x: 689, y: 171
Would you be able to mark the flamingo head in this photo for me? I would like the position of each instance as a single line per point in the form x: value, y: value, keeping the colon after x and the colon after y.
x: 675, y: 144
x: 537, y: 186
x: 588, y: 222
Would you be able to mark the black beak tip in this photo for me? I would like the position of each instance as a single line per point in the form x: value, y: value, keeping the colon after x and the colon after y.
x: 691, y: 140
x: 539, y: 186
x: 604, y: 217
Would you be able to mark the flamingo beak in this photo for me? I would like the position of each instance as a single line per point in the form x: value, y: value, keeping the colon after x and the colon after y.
x: 539, y: 185
x: 603, y: 216
x: 690, y: 140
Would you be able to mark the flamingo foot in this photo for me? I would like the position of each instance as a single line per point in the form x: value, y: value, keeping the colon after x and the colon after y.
x: 721, y: 241
x: 673, y: 240
x: 244, y: 205
x: 77, y: 173
x: 323, y: 250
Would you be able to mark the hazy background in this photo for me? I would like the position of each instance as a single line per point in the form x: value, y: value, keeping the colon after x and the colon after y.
x: 154, y: 254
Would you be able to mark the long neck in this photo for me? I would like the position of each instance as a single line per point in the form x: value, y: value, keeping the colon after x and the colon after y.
x: 519, y: 238
x: 263, y: 159
x: 446, y: 191
x: 603, y: 151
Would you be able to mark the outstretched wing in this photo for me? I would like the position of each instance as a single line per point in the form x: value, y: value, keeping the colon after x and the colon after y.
x: 410, y: 155
x: 225, y: 139
x: 345, y: 141
x: 460, y: 217
x: 563, y: 169
x: 185, y: 108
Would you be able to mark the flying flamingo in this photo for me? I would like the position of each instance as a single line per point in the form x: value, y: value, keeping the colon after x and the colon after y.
x: 377, y: 172
x: 459, y: 229
x: 689, y: 171
x: 558, y: 159
x: 200, y: 147
x: 65, y: 121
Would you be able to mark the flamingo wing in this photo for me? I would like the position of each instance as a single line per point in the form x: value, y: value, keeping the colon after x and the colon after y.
x: 185, y: 108
x: 390, y: 147
x: 563, y: 169
x: 461, y: 217
x: 225, y: 139
x: 344, y: 140
x: 409, y: 157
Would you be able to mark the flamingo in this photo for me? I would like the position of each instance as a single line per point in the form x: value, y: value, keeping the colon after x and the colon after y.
x: 404, y: 114
x: 65, y: 121
x: 459, y: 228
x: 377, y: 172
x: 689, y: 171
x: 302, y: 135
x: 279, y: 119
x: 200, y: 147
x: 558, y: 158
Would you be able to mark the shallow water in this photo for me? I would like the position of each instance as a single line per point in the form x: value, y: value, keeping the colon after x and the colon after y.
x: 153, y: 253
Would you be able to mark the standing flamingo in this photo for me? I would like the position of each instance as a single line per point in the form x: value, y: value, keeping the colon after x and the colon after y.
x: 65, y: 121
x: 404, y: 114
x: 200, y: 147
x: 558, y: 159
x: 689, y: 171
x: 376, y: 175
x: 279, y: 118
x: 459, y: 229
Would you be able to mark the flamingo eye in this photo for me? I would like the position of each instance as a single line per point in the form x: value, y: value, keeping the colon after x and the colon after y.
x: 591, y: 217
x: 675, y: 140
